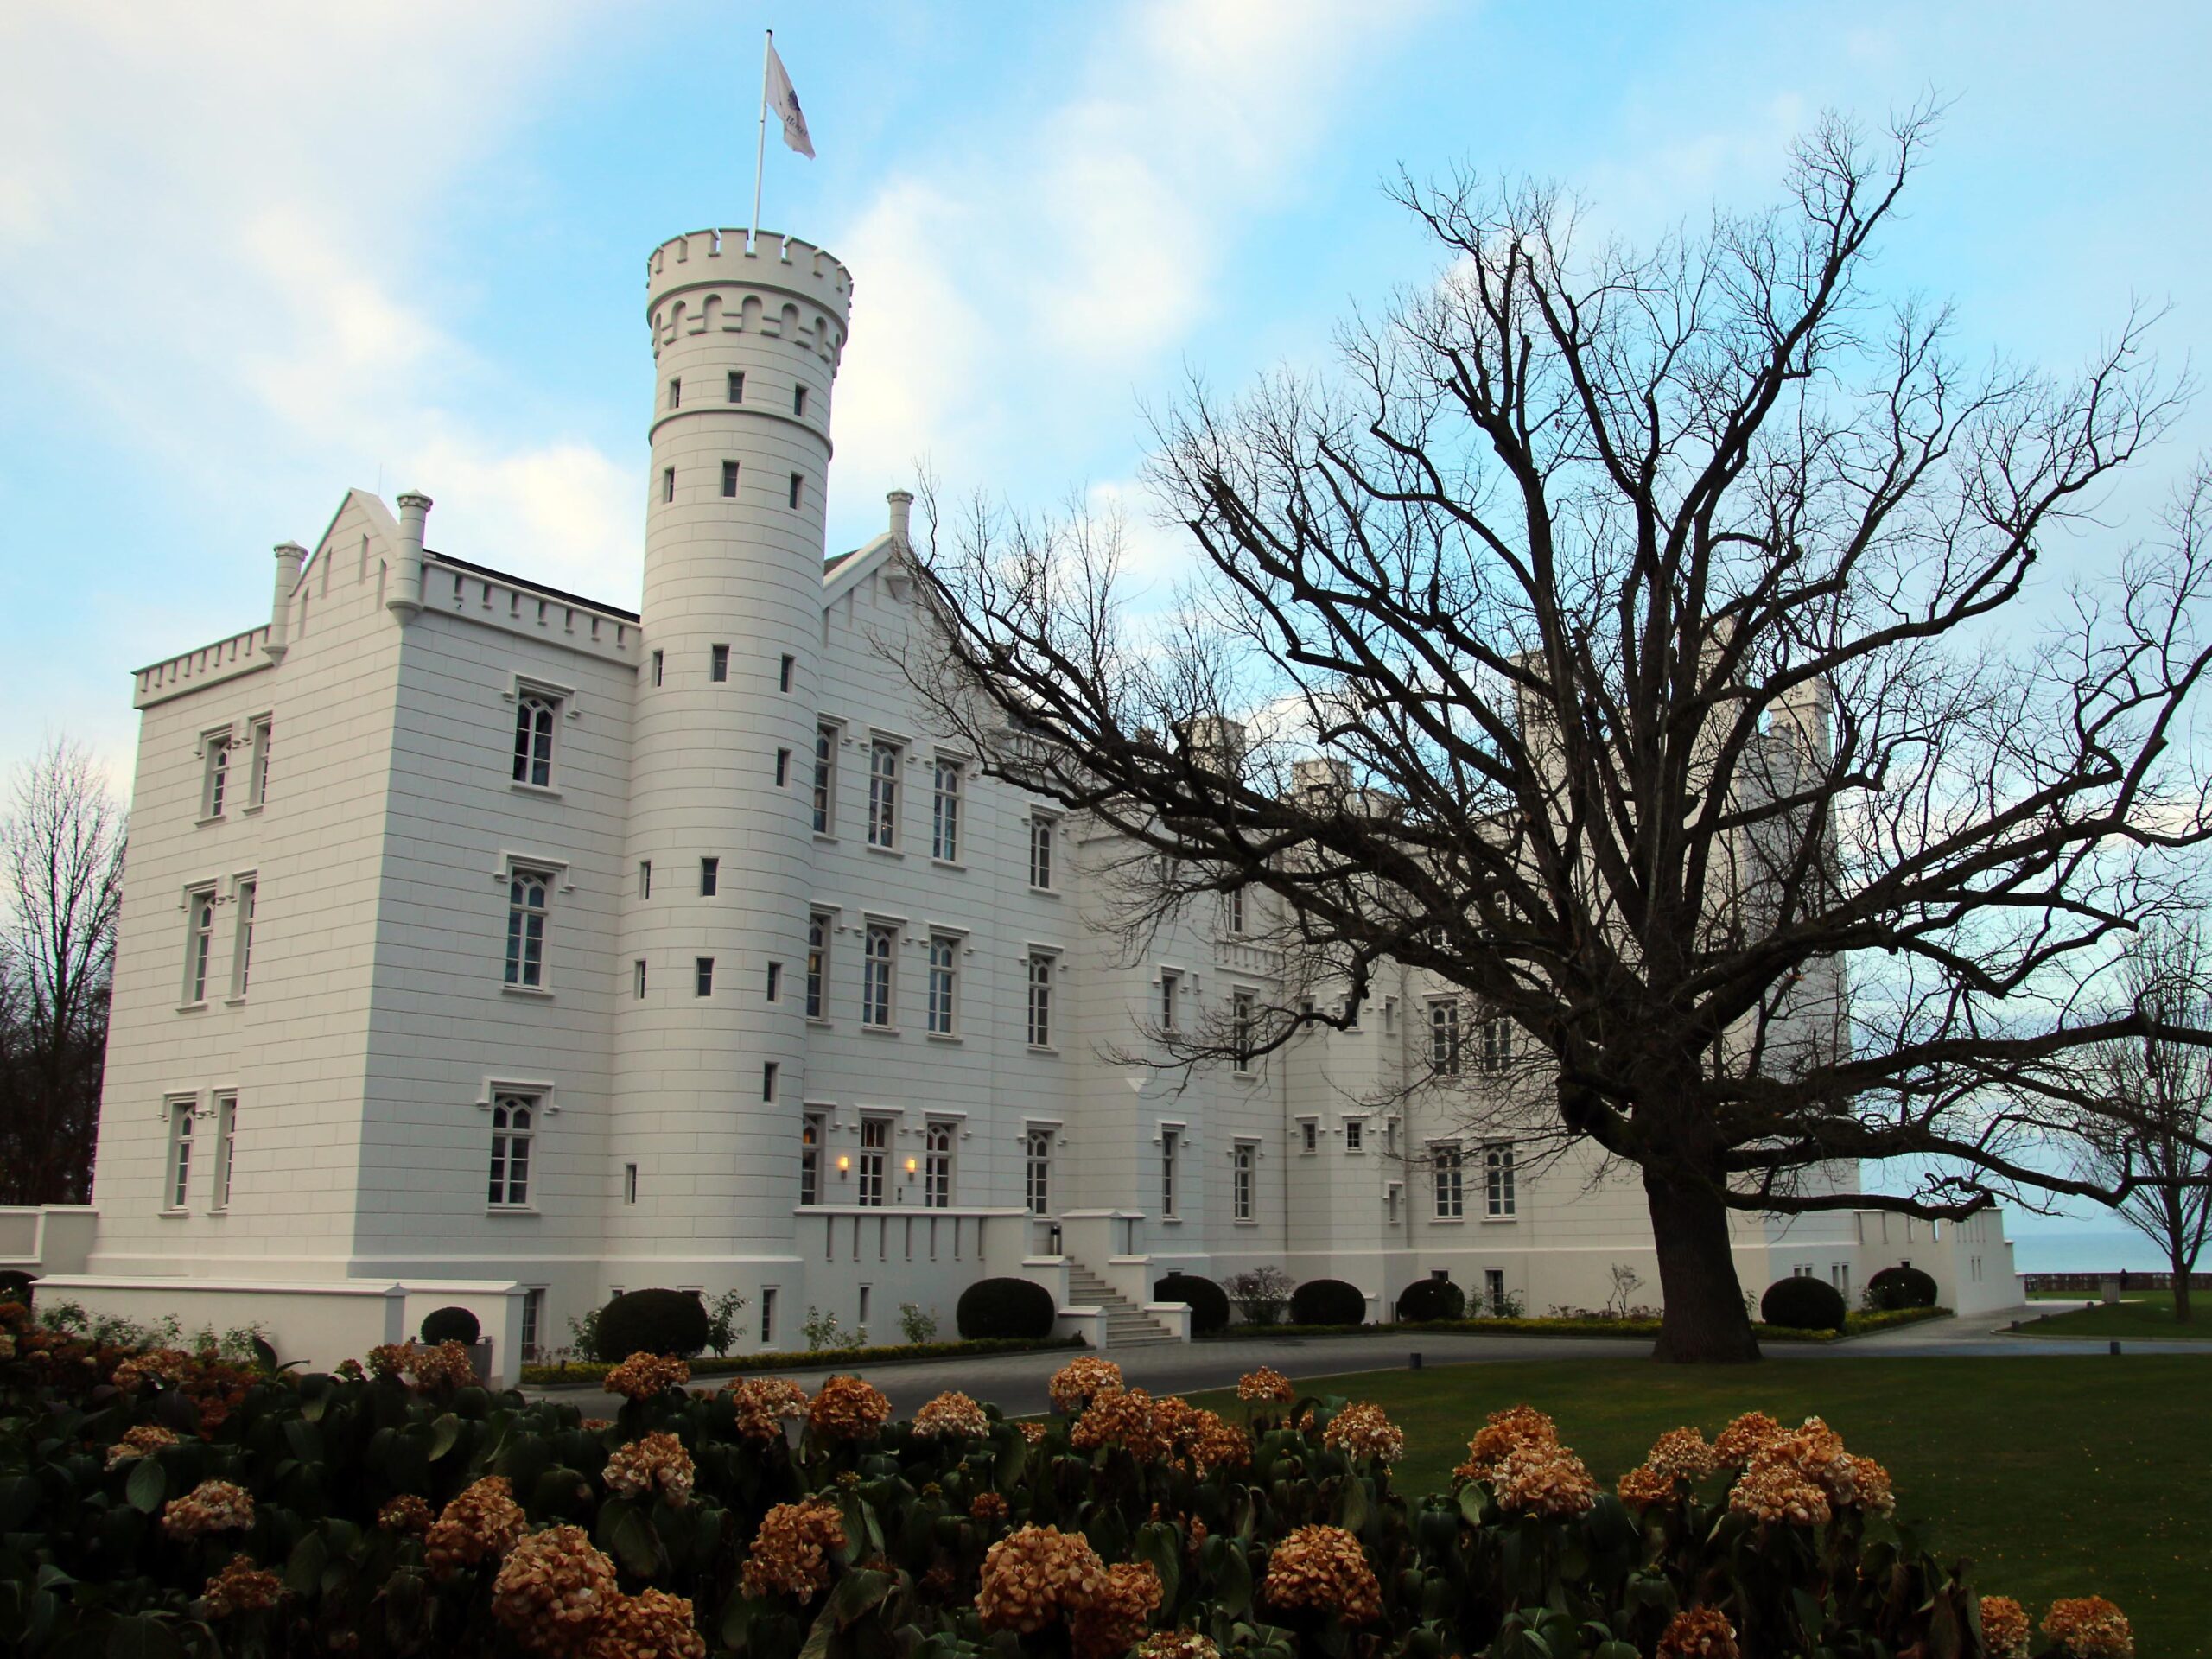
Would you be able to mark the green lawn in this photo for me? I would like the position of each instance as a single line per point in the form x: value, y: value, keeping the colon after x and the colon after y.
x: 2070, y: 1475
x: 2140, y: 1314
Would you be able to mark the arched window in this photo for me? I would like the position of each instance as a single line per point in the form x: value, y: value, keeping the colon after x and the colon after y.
x: 512, y: 1117
x: 535, y: 712
x: 936, y: 1166
x: 817, y: 964
x: 876, y: 976
x: 526, y: 908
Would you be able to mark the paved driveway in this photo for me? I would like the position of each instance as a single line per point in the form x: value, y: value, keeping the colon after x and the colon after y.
x: 1016, y: 1381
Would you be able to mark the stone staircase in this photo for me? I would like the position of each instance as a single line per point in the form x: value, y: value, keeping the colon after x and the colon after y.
x: 1127, y: 1325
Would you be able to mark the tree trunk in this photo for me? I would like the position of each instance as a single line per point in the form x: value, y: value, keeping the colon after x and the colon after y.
x: 1704, y: 1322
x: 2181, y: 1289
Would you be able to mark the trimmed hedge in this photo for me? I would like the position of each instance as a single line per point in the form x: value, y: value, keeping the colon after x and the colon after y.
x: 580, y: 1372
x: 1857, y: 1325
x: 1426, y: 1301
x: 1328, y: 1302
x: 1894, y: 1289
x: 451, y: 1325
x: 1803, y: 1303
x: 1208, y: 1302
x: 651, y: 1322
x: 1005, y: 1310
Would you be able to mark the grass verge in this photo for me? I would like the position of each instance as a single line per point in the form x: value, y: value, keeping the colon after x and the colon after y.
x: 2143, y: 1315
x: 2057, y: 1474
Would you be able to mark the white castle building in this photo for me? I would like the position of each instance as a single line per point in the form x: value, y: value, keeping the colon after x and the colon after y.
x: 485, y: 943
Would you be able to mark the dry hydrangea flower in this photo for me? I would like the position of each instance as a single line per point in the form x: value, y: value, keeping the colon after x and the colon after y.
x: 989, y: 1507
x: 349, y: 1370
x: 441, y: 1369
x: 1860, y: 1483
x: 1202, y: 1439
x: 406, y: 1513
x: 1035, y: 1574
x: 657, y: 1461
x: 1113, y: 1620
x: 1179, y: 1644
x: 212, y: 1506
x: 1323, y: 1570
x: 481, y: 1524
x: 847, y: 1409
x: 1646, y: 1488
x: 647, y: 1376
x: 1742, y: 1439
x: 1539, y: 1479
x: 1774, y: 1489
x: 2003, y: 1628
x: 142, y: 1439
x: 1120, y: 1417
x: 1033, y: 1432
x: 1500, y: 1435
x: 1683, y: 1454
x: 390, y: 1358
x: 791, y: 1553
x: 1265, y: 1384
x: 595, y: 1425
x: 652, y: 1625
x: 170, y: 1365
x: 1076, y: 1382
x: 242, y: 1587
x: 1364, y: 1431
x: 2088, y: 1627
x: 1699, y: 1633
x: 554, y: 1589
x: 764, y: 1404
x: 952, y: 1417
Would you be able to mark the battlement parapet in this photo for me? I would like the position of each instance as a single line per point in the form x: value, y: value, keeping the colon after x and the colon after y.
x: 241, y: 653
x: 711, y: 281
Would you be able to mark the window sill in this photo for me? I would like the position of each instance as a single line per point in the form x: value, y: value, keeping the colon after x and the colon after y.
x: 172, y: 1213
x: 1171, y: 1221
x: 1500, y: 1221
x: 881, y: 1031
x: 247, y: 811
x: 1447, y: 1221
x: 821, y: 1023
x: 886, y: 852
x: 1044, y: 1048
x: 511, y: 1209
x: 545, y: 791
x: 201, y: 824
x: 952, y: 864
x: 192, y: 1007
x: 826, y: 835
x: 536, y: 993
x: 1247, y: 1223
x: 234, y: 1002
x: 217, y: 1213
x: 945, y: 1037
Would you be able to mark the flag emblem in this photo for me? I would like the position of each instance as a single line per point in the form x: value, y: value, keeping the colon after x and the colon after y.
x: 783, y: 98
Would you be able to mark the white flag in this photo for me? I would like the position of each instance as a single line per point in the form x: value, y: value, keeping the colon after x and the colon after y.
x: 785, y: 102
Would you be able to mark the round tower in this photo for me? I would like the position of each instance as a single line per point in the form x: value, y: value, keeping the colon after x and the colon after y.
x: 746, y: 345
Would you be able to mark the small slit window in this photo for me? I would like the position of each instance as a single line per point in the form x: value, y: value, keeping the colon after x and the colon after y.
x: 729, y: 478
x: 798, y: 486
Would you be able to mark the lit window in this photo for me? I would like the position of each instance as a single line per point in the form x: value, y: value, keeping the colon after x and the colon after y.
x: 1037, y: 1171
x: 511, y: 1132
x: 1498, y: 1043
x: 798, y: 484
x: 718, y: 664
x: 1444, y: 1038
x: 180, y: 1182
x: 242, y: 946
x: 1171, y: 999
x: 729, y: 478
x: 1446, y: 1162
x: 875, y: 1141
x: 710, y: 877
x: 534, y: 714
x: 199, y: 942
x: 944, y: 812
x: 944, y: 982
x: 1241, y: 1184
x: 817, y: 964
x: 676, y: 393
x: 936, y: 1166
x: 702, y: 976
x: 215, y: 790
x: 825, y: 780
x: 883, y: 794
x: 256, y: 782
x: 737, y: 385
x: 1040, y: 999
x: 1244, y: 1017
x: 875, y: 976
x: 226, y: 1145
x: 1498, y: 1180
x: 809, y: 1160
x: 1040, y: 851
x: 527, y: 903
x: 1171, y: 1148
x: 798, y: 400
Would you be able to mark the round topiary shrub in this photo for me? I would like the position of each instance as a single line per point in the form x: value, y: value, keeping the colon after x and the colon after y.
x: 651, y: 1322
x: 1327, y: 1302
x: 999, y: 1308
x: 15, y: 1287
x: 1432, y: 1299
x: 1208, y: 1302
x: 1893, y: 1288
x: 1803, y: 1303
x: 453, y: 1324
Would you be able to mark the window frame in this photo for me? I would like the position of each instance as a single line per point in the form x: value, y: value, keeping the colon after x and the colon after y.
x: 732, y: 471
x: 884, y: 756
x: 215, y: 747
x: 1044, y: 827
x: 537, y: 720
x: 820, y: 926
x: 946, y: 780
x: 176, y: 1165
x: 944, y: 1015
x: 813, y: 1134
x: 1355, y: 1136
x: 505, y: 1189
x: 1037, y: 1141
x: 1501, y: 1182
x: 1447, y: 1043
x: 245, y: 894
x: 718, y: 664
x: 1243, y: 1181
x: 1447, y: 1163
x: 879, y: 977
x: 226, y: 1149
x: 200, y: 901
x: 1244, y: 1024
x: 1171, y: 997
x: 520, y: 973
x: 735, y: 386
x: 702, y: 976
x: 1041, y: 982
x: 1171, y: 1151
x: 1494, y: 1053
x: 871, y: 1168
x: 828, y: 736
x: 940, y: 1149
x: 261, y: 737
x: 710, y: 877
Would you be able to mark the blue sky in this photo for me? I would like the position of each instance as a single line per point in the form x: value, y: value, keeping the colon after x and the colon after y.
x: 253, y: 254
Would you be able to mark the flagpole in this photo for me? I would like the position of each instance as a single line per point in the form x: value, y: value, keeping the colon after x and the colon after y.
x: 761, y: 151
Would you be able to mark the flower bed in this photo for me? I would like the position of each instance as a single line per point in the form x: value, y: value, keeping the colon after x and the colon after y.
x: 588, y: 1371
x: 1856, y: 1325
x: 400, y: 1508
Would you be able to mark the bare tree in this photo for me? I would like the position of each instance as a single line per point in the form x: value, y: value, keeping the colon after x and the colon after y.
x: 2155, y: 1151
x: 61, y: 859
x: 1633, y: 640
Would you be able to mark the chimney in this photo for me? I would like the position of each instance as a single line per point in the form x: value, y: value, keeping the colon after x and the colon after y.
x: 407, y: 591
x: 902, y: 508
x: 289, y: 556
